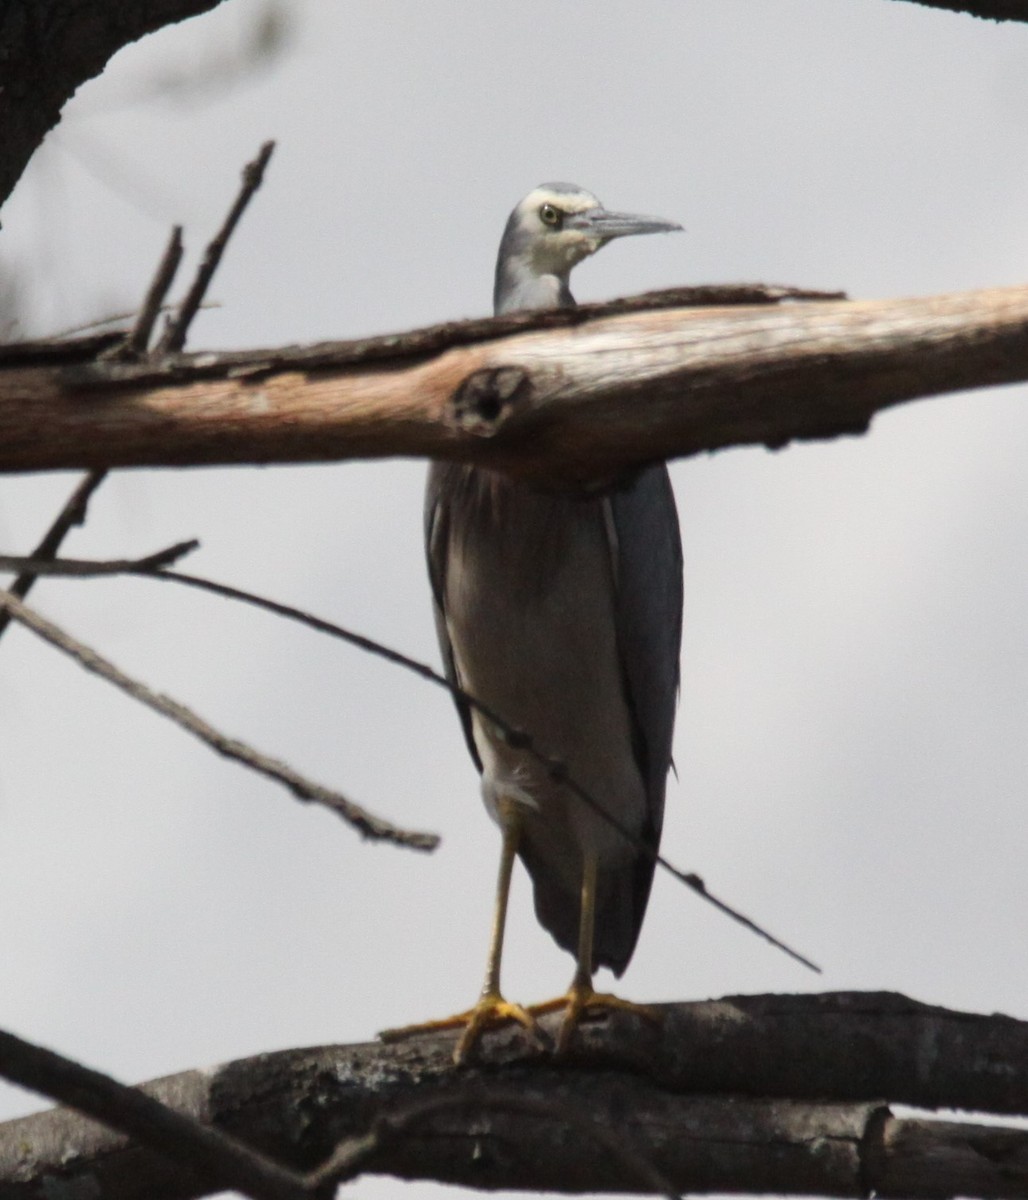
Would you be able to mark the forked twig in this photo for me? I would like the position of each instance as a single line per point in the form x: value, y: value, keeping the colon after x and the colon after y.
x: 135, y: 345
x: 174, y: 337
x: 73, y: 513
x: 302, y: 788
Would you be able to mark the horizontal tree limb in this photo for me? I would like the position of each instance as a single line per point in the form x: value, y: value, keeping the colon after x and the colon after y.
x: 564, y: 398
x: 759, y: 1093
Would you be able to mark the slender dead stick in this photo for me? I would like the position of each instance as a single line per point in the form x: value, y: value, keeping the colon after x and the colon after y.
x: 73, y: 513
x: 175, y: 335
x: 302, y: 788
x: 139, y: 339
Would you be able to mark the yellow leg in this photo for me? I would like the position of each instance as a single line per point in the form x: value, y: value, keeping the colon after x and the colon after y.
x: 580, y: 995
x: 492, y: 1008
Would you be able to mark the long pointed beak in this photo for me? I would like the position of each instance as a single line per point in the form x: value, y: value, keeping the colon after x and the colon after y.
x: 598, y: 222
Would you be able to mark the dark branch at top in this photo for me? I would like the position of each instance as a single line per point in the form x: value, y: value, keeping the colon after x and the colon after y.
x: 992, y: 10
x: 50, y: 48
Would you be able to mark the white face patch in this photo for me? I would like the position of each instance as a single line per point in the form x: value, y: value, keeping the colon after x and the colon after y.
x: 555, y: 250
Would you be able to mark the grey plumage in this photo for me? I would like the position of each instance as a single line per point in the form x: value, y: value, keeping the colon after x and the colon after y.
x: 564, y: 615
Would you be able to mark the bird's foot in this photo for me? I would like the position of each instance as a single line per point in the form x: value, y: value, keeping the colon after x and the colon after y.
x: 491, y: 1010
x: 579, y: 999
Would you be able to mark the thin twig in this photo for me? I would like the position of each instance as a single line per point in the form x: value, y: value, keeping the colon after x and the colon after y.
x: 90, y: 566
x: 304, y: 789
x: 515, y: 737
x: 138, y: 340
x: 73, y: 513
x: 174, y: 337
x: 131, y: 1111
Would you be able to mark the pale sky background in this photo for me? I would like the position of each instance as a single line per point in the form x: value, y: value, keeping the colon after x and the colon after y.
x: 852, y: 739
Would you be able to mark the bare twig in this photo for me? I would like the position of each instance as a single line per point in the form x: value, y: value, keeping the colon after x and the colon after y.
x: 138, y: 340
x: 174, y: 337
x: 135, y: 344
x: 214, y: 1155
x: 302, y: 788
x: 556, y: 768
x: 89, y: 567
x: 76, y: 507
x: 73, y: 513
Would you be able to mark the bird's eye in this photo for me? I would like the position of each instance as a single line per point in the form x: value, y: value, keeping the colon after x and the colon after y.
x: 549, y: 214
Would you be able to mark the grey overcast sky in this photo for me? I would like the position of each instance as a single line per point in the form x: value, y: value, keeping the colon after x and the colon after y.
x: 852, y: 741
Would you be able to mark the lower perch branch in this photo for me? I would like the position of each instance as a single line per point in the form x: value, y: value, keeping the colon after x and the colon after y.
x: 783, y: 1094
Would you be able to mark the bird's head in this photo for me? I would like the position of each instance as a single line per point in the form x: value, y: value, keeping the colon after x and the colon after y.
x: 552, y: 230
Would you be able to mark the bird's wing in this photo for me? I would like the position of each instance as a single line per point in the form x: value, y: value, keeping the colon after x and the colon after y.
x: 646, y: 550
x: 442, y: 480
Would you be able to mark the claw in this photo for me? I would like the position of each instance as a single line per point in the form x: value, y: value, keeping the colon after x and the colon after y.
x: 577, y: 1001
x: 491, y: 1010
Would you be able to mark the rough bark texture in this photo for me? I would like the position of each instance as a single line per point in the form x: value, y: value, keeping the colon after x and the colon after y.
x: 558, y: 399
x: 758, y: 1093
x: 49, y: 47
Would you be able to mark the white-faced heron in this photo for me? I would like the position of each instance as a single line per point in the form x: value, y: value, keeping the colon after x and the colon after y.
x: 563, y: 615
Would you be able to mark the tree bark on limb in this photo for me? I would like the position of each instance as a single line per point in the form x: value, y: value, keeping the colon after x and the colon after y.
x: 758, y: 1093
x: 50, y: 48
x: 559, y: 399
x: 991, y: 10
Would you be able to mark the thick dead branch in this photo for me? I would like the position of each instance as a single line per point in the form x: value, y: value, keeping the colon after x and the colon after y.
x: 50, y: 48
x: 366, y: 823
x: 566, y: 399
x: 218, y: 1160
x: 992, y: 10
x: 759, y: 1094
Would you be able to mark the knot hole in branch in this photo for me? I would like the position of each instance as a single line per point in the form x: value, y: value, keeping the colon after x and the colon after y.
x: 486, y: 399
